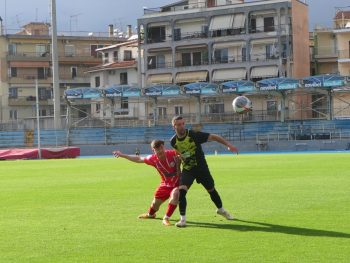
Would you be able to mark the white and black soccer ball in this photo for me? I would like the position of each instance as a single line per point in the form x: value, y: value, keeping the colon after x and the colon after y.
x: 241, y: 104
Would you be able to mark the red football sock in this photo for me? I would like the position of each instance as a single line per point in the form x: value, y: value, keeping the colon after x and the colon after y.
x: 170, y: 210
x: 151, y: 211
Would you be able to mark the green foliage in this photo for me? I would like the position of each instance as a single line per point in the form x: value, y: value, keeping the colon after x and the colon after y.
x: 290, y: 208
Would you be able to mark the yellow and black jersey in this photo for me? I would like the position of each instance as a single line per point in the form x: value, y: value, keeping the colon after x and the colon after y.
x: 190, y: 149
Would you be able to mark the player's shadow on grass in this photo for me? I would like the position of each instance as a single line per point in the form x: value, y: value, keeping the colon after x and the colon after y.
x: 265, y: 227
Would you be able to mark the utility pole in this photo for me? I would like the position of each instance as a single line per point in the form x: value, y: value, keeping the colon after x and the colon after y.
x: 55, y: 78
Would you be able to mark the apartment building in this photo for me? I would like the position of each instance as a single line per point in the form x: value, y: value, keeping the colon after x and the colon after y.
x: 331, y: 54
x: 217, y: 41
x: 26, y: 56
x: 118, y: 79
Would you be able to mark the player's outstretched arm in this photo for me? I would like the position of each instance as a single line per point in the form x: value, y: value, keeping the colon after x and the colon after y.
x: 219, y: 139
x: 132, y: 158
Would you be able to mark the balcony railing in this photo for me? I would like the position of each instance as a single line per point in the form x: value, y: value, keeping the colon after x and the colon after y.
x: 344, y: 54
x: 160, y: 65
x: 189, y: 63
x: 190, y: 35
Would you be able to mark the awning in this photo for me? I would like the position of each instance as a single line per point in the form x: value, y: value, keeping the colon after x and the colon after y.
x: 264, y: 41
x: 122, y: 91
x: 82, y: 93
x: 190, y: 21
x: 239, y: 86
x: 263, y: 72
x: 193, y: 76
x: 278, y: 84
x: 29, y: 64
x: 198, y: 88
x: 192, y: 47
x: 229, y: 74
x: 228, y: 44
x: 221, y: 22
x: 159, y: 78
x: 324, y: 81
x: 238, y: 21
x: 163, y: 90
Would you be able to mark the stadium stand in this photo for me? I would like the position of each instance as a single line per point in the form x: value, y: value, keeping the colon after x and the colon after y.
x: 251, y: 136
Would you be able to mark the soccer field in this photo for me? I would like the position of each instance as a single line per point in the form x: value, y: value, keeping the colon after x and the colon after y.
x: 289, y: 208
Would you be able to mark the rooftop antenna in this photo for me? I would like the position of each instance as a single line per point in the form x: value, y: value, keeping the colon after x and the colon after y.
x: 73, y: 18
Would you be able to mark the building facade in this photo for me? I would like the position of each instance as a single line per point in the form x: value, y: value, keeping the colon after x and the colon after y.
x: 217, y: 41
x: 27, y: 56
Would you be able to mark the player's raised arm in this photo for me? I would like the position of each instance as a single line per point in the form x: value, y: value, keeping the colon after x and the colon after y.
x: 219, y: 139
x: 132, y: 158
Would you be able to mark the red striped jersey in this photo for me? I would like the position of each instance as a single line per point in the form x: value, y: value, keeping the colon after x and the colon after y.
x: 166, y: 168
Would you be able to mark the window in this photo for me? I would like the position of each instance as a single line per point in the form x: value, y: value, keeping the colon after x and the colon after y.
x: 73, y: 71
x: 13, y: 72
x: 211, y: 3
x: 40, y: 50
x: 161, y: 111
x: 244, y: 54
x: 151, y: 62
x: 42, y: 93
x: 105, y: 57
x: 268, y: 50
x: 156, y: 34
x: 271, y: 107
x: 214, y: 108
x: 93, y: 51
x: 124, y: 103
x: 221, y: 55
x: 97, y: 81
x: 123, y: 78
x: 253, y: 25
x: 12, y: 49
x: 115, y: 56
x: 178, y: 110
x: 13, y: 93
x: 269, y: 24
x: 69, y: 50
x: 186, y: 59
x: 156, y: 62
x: 160, y: 61
x: 197, y: 58
x: 127, y: 55
x: 41, y: 73
x: 98, y: 107
x: 42, y: 112
x: 13, y: 114
x: 177, y: 34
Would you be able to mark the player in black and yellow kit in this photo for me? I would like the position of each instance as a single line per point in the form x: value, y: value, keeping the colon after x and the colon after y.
x: 188, y: 144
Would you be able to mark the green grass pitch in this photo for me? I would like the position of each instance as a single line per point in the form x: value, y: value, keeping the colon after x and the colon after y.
x: 289, y: 208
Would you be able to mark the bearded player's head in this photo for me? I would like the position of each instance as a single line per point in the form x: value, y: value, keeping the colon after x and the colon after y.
x: 158, y: 149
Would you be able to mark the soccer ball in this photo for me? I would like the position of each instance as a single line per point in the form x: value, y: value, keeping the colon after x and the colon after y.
x: 241, y: 104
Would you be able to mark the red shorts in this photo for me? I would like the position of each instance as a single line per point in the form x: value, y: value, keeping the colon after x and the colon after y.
x: 163, y: 192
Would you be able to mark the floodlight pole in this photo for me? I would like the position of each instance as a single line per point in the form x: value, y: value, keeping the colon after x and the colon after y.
x: 55, y: 78
x: 37, y: 117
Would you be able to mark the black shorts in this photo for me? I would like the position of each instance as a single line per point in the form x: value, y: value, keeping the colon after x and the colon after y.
x: 200, y: 174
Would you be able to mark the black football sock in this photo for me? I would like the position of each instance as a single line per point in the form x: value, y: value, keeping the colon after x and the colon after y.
x: 215, y: 197
x: 182, y: 201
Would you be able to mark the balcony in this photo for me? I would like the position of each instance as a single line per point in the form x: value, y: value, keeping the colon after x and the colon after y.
x: 160, y: 65
x: 29, y: 101
x: 29, y: 56
x: 190, y: 35
x: 30, y: 79
x: 344, y: 55
x: 189, y: 63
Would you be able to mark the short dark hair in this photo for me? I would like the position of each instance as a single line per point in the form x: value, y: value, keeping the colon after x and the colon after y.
x: 155, y: 144
x: 176, y: 118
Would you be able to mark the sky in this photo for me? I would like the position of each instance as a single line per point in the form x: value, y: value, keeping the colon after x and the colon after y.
x: 95, y: 16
